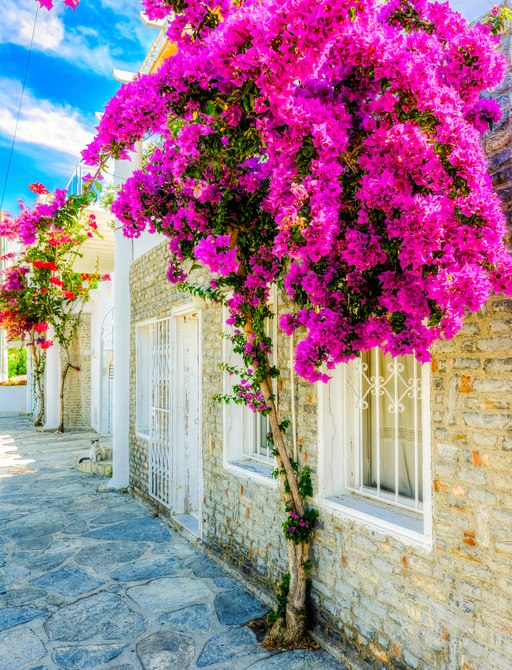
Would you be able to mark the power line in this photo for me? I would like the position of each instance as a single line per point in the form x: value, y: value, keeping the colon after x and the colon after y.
x: 19, y: 109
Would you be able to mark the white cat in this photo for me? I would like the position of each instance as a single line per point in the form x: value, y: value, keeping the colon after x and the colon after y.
x: 96, y: 452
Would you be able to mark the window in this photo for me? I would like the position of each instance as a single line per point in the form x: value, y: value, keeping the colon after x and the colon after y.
x: 375, y: 440
x: 143, y: 378
x: 246, y: 447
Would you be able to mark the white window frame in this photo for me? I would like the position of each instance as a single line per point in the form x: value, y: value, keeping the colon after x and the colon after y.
x: 243, y: 428
x: 338, y: 490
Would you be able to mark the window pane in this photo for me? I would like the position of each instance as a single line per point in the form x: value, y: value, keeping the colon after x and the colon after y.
x: 391, y: 433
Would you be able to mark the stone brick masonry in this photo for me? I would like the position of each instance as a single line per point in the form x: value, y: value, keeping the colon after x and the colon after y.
x: 77, y: 404
x: 399, y: 604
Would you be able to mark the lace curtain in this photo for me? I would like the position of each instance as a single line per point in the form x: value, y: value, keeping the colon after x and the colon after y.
x: 392, y: 423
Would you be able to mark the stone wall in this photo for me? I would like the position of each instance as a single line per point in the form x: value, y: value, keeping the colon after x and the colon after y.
x: 396, y: 603
x: 77, y: 398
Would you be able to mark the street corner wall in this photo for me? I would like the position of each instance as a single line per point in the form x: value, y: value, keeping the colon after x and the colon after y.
x: 77, y: 389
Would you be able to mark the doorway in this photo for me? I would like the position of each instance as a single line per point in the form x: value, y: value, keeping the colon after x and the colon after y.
x: 187, y: 429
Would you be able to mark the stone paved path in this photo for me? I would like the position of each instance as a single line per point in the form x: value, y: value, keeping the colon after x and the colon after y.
x: 89, y: 579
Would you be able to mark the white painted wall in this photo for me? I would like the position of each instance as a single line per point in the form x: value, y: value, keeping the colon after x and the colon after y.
x: 123, y: 257
x: 13, y: 399
x: 101, y: 302
x: 52, y: 384
x: 145, y: 242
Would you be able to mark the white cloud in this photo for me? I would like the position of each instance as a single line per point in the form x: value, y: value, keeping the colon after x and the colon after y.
x: 42, y: 123
x: 82, y: 46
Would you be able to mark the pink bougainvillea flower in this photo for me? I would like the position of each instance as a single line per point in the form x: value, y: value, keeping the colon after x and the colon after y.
x: 56, y: 281
x: 46, y: 344
x: 360, y: 182
x: 41, y: 327
x: 45, y: 265
x: 38, y: 188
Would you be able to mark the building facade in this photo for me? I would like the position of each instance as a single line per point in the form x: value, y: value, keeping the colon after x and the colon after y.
x: 412, y: 556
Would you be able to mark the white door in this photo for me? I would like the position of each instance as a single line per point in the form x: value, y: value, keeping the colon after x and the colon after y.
x: 187, y: 414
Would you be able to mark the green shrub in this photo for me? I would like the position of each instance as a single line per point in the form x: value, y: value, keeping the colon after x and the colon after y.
x: 17, y: 362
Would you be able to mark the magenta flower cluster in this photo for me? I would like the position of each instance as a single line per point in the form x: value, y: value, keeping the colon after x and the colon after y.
x: 375, y: 206
x: 48, y: 4
x: 28, y: 220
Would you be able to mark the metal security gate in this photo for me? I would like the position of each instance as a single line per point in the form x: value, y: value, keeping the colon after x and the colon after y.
x: 160, y: 461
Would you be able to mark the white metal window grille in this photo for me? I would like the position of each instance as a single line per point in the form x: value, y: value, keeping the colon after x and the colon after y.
x: 160, y: 465
x: 384, y: 416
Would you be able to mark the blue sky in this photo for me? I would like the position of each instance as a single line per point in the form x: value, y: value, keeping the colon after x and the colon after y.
x: 69, y: 79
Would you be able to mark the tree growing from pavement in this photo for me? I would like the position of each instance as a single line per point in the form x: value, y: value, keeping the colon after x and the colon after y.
x: 40, y: 289
x: 331, y: 148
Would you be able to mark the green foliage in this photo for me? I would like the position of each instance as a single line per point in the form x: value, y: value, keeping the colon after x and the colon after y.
x: 108, y: 195
x: 17, y: 362
x: 498, y: 19
x: 304, y: 483
x: 282, y: 595
x: 300, y: 528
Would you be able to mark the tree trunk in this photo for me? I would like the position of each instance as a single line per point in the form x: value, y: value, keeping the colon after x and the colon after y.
x: 63, y: 376
x: 39, y: 419
x: 291, y: 631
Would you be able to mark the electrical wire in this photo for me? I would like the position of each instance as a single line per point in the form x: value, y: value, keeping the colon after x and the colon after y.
x: 19, y: 109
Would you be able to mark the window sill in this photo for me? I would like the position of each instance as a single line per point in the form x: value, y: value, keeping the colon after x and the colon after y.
x: 142, y: 436
x: 252, y: 470
x: 407, y: 526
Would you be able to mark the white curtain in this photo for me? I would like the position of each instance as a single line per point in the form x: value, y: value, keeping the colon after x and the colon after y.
x: 391, y: 423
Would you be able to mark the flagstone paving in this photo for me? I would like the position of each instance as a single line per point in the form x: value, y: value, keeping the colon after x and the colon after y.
x: 90, y: 580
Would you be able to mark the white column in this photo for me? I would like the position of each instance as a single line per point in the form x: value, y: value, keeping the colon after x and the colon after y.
x: 52, y: 385
x: 123, y: 257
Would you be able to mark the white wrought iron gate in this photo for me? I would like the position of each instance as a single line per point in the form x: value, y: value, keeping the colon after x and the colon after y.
x: 160, y: 456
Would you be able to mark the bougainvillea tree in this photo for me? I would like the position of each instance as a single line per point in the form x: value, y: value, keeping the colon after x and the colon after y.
x: 40, y: 288
x: 332, y: 148
x: 20, y: 318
